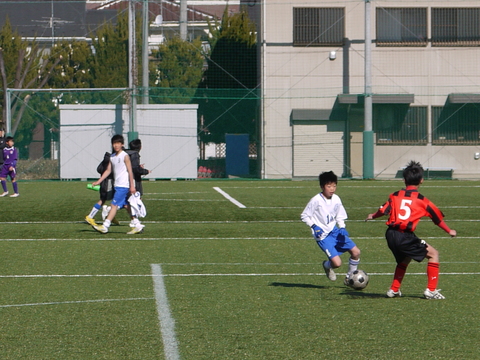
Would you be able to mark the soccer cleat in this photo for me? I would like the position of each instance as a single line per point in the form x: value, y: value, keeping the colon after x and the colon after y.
x: 330, y: 273
x: 15, y: 195
x: 433, y: 295
x: 393, y: 294
x: 90, y: 220
x: 345, y: 281
x: 105, y: 210
x: 4, y: 194
x: 101, y: 228
x: 136, y: 230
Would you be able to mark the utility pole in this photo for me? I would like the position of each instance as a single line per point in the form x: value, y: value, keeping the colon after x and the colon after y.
x: 132, y: 71
x: 368, y: 145
x: 183, y: 20
x: 145, y: 53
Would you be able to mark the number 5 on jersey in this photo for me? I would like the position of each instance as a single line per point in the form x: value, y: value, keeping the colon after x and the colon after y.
x: 405, y: 206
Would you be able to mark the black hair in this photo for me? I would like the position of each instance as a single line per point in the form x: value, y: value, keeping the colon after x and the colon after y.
x: 8, y: 138
x: 135, y: 144
x: 118, y: 138
x: 327, y: 177
x: 413, y: 173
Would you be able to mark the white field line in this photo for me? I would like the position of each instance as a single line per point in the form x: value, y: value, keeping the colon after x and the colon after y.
x: 355, y: 207
x: 101, y: 238
x: 343, y: 185
x: 192, y: 200
x: 204, y: 221
x: 159, y: 276
x: 74, y: 302
x: 167, y: 323
x: 160, y: 295
x: 228, y: 197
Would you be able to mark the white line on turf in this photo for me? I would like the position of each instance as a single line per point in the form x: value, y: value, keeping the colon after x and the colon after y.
x: 167, y: 323
x: 228, y: 197
x: 204, y: 221
x: 73, y: 302
x: 101, y: 238
x: 159, y: 276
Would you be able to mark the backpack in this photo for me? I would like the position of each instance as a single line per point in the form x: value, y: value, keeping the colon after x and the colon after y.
x: 104, y: 164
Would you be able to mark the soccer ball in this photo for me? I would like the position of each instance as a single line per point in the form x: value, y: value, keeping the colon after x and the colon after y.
x: 358, y: 280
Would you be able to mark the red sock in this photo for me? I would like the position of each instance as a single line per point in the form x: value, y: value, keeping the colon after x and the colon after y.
x: 398, y: 276
x: 433, y: 269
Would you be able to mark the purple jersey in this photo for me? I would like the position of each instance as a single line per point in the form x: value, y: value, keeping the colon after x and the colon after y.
x: 10, y: 156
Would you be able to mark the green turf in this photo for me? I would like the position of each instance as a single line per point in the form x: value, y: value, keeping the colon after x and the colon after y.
x: 241, y: 283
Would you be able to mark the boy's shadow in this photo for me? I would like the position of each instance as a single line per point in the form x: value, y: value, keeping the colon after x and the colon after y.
x: 346, y: 292
x: 361, y: 294
x: 304, y: 286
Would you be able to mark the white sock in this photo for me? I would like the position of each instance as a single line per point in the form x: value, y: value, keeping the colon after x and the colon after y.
x: 107, y: 223
x: 93, y: 213
x: 352, y: 265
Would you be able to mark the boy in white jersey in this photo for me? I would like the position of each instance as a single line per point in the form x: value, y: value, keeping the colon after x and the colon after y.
x: 322, y: 214
x: 121, y: 167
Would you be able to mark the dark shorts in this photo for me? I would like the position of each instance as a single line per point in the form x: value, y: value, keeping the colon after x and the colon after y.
x: 106, y: 190
x: 405, y: 245
x: 4, y: 172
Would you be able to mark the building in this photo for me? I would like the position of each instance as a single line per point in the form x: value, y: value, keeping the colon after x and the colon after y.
x: 51, y: 20
x: 425, y: 86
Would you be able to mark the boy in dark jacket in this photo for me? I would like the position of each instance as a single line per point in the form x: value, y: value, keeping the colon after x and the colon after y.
x: 138, y: 170
x: 106, y: 191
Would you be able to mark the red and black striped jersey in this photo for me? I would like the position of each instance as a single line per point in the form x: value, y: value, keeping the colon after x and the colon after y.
x: 406, y: 207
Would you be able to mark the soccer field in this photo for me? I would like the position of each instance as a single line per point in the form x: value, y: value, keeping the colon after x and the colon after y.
x: 226, y: 270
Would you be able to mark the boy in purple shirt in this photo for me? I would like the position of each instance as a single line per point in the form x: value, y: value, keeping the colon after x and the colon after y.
x: 10, y: 157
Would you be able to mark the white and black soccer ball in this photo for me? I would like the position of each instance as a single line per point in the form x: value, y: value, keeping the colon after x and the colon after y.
x: 358, y: 280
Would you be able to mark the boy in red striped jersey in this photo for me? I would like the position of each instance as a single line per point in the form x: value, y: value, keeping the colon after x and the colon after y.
x: 405, y: 208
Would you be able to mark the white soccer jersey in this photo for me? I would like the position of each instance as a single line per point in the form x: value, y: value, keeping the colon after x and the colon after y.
x: 119, y: 169
x: 324, y: 213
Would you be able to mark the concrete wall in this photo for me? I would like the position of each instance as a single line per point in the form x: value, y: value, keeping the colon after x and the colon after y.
x: 168, y: 134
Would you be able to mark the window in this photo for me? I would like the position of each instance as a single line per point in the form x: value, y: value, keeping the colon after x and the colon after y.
x: 400, y: 124
x: 401, y: 26
x: 318, y: 26
x: 457, y: 124
x: 455, y: 26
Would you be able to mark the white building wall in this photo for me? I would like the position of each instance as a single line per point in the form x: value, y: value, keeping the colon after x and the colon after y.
x: 304, y: 78
x: 168, y: 134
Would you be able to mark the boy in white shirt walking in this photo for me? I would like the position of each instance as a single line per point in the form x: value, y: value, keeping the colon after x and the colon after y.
x: 121, y: 167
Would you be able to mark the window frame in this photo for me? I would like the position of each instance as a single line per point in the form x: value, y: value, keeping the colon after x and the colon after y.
x: 415, y: 117
x: 312, y: 32
x: 448, y: 127
x: 463, y: 23
x: 404, y: 19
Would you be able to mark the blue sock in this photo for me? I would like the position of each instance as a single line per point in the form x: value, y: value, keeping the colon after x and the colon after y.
x: 4, y: 185
x: 15, y: 187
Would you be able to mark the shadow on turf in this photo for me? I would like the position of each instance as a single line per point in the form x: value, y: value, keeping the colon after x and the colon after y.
x: 305, y: 286
x: 361, y: 294
x: 347, y: 292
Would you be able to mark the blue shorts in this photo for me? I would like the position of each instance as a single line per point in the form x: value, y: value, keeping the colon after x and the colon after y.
x: 335, y: 244
x: 120, y: 196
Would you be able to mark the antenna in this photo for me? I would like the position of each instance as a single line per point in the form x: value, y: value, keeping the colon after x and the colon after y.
x: 158, y: 20
x: 51, y: 22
